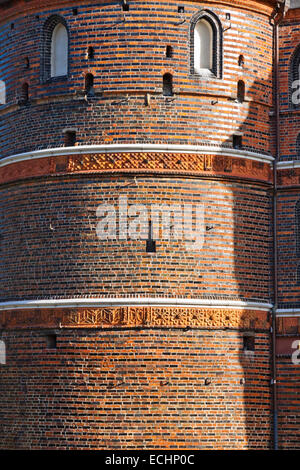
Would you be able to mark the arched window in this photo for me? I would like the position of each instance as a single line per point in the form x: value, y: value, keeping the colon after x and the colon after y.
x: 59, y: 51
x: 55, y: 49
x: 206, y: 44
x: 2, y: 92
x: 2, y: 352
x: 203, y: 46
x: 294, y: 78
x: 167, y: 84
x: 241, y: 91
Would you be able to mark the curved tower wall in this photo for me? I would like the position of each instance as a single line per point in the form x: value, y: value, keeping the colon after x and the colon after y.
x: 153, y: 350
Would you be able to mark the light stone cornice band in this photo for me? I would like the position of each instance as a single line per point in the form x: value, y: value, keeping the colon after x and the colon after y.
x: 144, y: 301
x: 289, y: 312
x: 288, y: 165
x: 119, y: 148
x: 133, y: 301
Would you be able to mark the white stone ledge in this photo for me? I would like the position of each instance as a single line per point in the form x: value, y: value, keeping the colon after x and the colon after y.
x: 288, y: 312
x: 118, y: 148
x: 134, y: 301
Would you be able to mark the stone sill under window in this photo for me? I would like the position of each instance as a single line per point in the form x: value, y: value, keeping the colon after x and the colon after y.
x: 62, y: 78
x: 204, y: 75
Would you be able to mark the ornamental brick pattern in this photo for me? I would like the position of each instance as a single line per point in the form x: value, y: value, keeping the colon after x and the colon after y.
x: 168, y: 163
x: 152, y: 376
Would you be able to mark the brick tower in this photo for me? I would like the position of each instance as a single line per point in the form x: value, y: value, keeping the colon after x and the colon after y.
x: 137, y: 145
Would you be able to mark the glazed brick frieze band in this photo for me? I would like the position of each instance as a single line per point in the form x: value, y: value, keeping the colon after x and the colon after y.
x: 288, y: 325
x: 289, y: 177
x: 177, y: 163
x: 163, y: 317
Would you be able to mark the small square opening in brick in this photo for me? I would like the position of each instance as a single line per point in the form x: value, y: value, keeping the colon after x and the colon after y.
x: 237, y: 141
x: 51, y: 341
x: 70, y: 138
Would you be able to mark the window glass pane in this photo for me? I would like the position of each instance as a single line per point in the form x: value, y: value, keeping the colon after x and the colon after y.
x: 2, y: 352
x: 203, y: 46
x: 59, y: 51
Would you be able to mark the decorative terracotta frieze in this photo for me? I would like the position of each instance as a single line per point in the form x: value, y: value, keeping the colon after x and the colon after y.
x: 289, y: 177
x: 288, y: 325
x: 160, y: 163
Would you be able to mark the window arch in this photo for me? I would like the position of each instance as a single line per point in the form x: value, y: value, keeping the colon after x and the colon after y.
x: 206, y: 44
x: 203, y: 46
x: 55, y: 48
x: 295, y: 76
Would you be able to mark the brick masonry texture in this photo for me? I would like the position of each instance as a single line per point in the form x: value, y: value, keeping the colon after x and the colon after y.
x: 289, y: 117
x: 130, y: 60
x: 145, y: 377
x: 135, y: 390
x: 139, y: 162
x: 288, y: 235
x: 55, y: 220
x: 288, y: 396
x: 124, y: 317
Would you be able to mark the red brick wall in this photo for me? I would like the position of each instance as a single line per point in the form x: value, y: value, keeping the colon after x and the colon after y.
x: 288, y: 236
x: 55, y: 220
x: 135, y: 390
x: 99, y: 386
x: 130, y: 61
x: 288, y: 375
x: 289, y: 117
